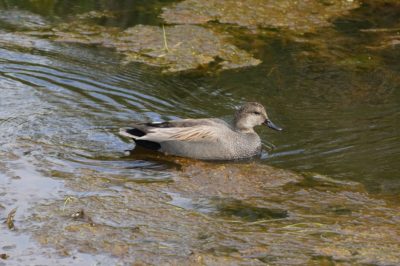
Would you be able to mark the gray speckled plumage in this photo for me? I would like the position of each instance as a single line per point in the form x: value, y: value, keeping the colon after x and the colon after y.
x: 207, y: 138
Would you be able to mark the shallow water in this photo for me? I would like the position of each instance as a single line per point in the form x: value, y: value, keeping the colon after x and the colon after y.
x: 330, y: 197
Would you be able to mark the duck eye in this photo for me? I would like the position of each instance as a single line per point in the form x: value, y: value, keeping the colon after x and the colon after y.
x: 257, y: 113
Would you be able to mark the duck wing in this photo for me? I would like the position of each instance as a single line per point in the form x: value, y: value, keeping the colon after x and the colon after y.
x: 188, y: 123
x: 176, y: 130
x: 188, y: 134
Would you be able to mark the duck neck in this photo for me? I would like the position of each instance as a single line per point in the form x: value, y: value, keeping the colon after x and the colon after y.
x: 241, y: 126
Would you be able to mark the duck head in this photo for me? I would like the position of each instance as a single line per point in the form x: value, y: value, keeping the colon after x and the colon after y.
x: 250, y: 115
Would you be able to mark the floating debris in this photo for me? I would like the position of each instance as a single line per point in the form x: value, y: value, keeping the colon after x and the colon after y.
x: 4, y: 256
x: 78, y: 215
x: 10, y: 219
x: 81, y: 216
x: 68, y: 200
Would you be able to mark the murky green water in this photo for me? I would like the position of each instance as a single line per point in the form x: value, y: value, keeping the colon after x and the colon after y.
x: 331, y: 196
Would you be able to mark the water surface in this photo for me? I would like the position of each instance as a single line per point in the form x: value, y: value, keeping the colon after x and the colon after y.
x: 336, y: 172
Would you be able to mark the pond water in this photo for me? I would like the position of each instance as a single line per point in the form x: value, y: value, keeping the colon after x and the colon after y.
x: 326, y: 189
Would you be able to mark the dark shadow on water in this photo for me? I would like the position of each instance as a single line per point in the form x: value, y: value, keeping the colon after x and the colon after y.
x: 164, y: 162
x: 234, y: 208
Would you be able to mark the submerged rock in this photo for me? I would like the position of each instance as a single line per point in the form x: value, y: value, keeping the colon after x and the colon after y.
x: 213, y: 214
x: 300, y: 16
x: 181, y: 47
x: 22, y: 20
x: 175, y: 48
x: 96, y: 14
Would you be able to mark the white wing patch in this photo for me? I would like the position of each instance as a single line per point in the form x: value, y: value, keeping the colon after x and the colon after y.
x: 198, y: 133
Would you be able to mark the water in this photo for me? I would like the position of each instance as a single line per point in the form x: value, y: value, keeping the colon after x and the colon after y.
x: 61, y: 106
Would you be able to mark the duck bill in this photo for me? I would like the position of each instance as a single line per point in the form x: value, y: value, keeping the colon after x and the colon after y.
x: 269, y: 124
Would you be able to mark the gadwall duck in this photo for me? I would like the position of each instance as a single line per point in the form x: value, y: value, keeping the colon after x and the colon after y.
x: 207, y: 138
